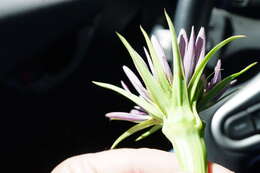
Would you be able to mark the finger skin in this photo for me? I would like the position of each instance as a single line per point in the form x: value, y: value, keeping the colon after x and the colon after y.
x: 126, y: 161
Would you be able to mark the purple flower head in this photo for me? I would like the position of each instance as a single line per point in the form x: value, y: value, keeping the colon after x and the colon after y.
x: 192, y: 52
x: 163, y: 90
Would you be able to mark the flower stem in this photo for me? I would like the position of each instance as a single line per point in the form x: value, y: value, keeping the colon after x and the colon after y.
x: 188, y: 143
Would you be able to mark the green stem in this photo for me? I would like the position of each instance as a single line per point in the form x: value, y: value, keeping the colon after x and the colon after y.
x: 188, y: 143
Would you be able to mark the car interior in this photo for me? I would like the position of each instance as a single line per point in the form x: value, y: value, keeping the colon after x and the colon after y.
x: 52, y: 50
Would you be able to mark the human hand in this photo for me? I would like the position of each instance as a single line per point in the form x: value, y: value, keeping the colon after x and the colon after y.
x: 127, y: 161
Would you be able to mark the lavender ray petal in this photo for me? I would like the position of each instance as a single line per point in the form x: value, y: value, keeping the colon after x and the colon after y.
x: 183, y: 42
x: 137, y: 112
x: 136, y: 82
x: 125, y: 86
x: 200, y: 46
x: 189, y: 60
x: 127, y: 116
x: 162, y: 58
x: 217, y: 75
x: 139, y: 108
x: 150, y: 63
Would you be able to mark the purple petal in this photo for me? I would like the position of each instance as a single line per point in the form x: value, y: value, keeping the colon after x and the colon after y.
x: 217, y: 75
x: 183, y: 42
x: 162, y: 58
x: 136, y: 82
x: 189, y: 60
x: 138, y: 112
x: 125, y: 86
x: 200, y: 46
x: 127, y: 116
x: 139, y: 108
x: 150, y: 63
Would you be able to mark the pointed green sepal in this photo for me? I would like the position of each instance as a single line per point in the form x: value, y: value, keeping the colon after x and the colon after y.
x: 158, y: 96
x: 149, y: 132
x: 198, y: 95
x: 158, y: 66
x: 132, y: 130
x: 150, y: 108
x: 179, y: 88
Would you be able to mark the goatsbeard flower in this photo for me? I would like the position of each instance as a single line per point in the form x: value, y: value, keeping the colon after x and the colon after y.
x: 170, y: 98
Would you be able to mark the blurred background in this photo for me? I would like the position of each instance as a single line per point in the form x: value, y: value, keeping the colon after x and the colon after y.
x: 51, y: 50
